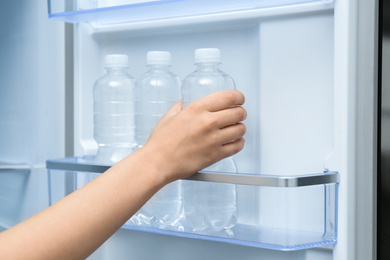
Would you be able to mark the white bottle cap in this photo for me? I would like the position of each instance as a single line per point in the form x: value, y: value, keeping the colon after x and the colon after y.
x: 116, y: 60
x: 207, y: 55
x: 158, y: 57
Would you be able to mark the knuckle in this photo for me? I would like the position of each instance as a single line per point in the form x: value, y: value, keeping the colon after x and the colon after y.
x: 208, y: 122
x: 195, y: 107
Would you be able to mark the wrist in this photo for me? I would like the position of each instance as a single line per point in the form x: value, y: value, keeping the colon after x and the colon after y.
x: 161, y: 166
x: 146, y: 163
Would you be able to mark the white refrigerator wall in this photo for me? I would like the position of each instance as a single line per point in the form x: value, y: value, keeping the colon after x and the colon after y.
x: 283, y: 64
x: 31, y: 106
x: 282, y: 60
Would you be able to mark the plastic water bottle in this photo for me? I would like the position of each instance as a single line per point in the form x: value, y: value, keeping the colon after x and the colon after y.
x: 155, y: 92
x: 114, y: 111
x: 209, y: 207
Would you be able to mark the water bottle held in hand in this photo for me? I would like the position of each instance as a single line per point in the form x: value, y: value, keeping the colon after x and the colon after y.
x: 209, y: 207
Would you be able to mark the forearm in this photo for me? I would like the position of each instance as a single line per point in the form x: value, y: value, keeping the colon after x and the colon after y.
x: 77, y: 225
x: 183, y: 142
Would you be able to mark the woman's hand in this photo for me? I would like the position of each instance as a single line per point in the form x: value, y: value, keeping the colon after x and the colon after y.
x: 206, y: 131
x: 185, y: 141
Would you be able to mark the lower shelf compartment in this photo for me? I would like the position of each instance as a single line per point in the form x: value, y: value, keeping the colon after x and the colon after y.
x: 274, y: 212
x: 253, y: 236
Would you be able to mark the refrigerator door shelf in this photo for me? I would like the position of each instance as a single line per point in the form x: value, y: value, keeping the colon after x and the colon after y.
x: 125, y: 11
x: 302, y: 213
x: 85, y: 164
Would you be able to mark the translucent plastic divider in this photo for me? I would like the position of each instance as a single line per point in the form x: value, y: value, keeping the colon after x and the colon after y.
x: 295, y: 212
x: 110, y: 11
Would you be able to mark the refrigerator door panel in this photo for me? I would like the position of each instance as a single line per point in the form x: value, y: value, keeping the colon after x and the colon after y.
x: 356, y: 90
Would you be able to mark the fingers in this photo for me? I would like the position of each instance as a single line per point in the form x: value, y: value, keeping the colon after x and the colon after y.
x: 230, y: 116
x: 231, y: 133
x: 232, y: 148
x: 221, y: 100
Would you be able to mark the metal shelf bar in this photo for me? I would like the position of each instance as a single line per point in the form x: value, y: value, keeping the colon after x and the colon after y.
x: 67, y: 164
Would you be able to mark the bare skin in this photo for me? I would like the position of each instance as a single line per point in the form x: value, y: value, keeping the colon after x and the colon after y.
x: 184, y: 142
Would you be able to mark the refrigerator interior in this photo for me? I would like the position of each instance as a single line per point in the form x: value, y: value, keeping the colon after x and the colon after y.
x: 274, y: 61
x: 281, y: 58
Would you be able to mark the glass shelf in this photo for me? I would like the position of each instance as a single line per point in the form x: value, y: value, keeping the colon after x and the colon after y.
x: 7, y: 166
x: 274, y: 211
x: 110, y: 11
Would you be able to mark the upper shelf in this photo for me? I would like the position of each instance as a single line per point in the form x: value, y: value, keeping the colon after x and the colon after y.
x: 125, y: 11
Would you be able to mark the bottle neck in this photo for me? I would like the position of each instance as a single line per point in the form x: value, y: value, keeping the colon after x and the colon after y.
x: 116, y: 70
x: 158, y: 67
x: 207, y: 66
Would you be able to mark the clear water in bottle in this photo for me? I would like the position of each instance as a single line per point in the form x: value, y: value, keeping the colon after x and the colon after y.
x: 114, y: 111
x: 155, y: 92
x: 209, y: 207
